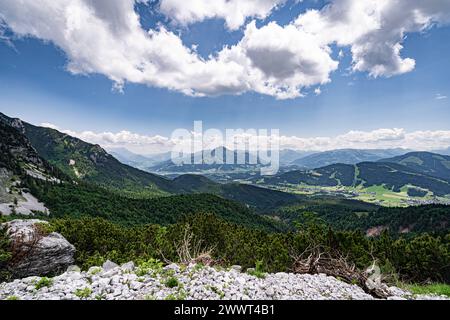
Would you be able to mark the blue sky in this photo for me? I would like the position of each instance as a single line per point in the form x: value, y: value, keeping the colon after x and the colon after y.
x: 36, y: 86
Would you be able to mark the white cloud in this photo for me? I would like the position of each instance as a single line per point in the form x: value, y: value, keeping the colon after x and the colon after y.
x: 106, y: 37
x: 376, y: 139
x: 439, y: 96
x: 278, y: 66
x: 142, y: 144
x: 381, y: 138
x: 375, y: 29
x: 234, y: 12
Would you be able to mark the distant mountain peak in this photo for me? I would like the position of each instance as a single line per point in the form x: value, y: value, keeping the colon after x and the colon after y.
x: 429, y: 163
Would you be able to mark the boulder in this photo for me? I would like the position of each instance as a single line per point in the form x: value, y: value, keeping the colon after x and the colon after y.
x: 129, y: 266
x: 73, y: 269
x: 35, y: 252
x: 236, y: 268
x: 109, y: 265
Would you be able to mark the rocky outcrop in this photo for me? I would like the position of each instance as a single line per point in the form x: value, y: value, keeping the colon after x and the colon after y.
x: 35, y: 251
x: 193, y: 282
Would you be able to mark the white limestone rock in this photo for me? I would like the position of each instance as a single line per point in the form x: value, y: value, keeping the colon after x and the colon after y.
x: 42, y: 254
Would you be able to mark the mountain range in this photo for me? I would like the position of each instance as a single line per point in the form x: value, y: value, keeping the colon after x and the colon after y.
x: 223, y: 172
x: 416, y: 170
x: 289, y: 160
x: 75, y: 178
x: 215, y: 160
x: 161, y: 161
x: 88, y: 163
x: 345, y: 156
x: 142, y: 162
x: 81, y: 161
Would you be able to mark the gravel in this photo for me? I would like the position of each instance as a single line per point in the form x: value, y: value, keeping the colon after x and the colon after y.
x: 193, y: 282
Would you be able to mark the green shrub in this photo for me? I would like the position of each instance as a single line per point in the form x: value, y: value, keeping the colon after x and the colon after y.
x: 44, y: 229
x: 152, y: 266
x: 258, y: 271
x: 43, y: 282
x: 413, y: 258
x: 172, y: 282
x: 95, y: 270
x: 83, y: 293
x: 5, y: 255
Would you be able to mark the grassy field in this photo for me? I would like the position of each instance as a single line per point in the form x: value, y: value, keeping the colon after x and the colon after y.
x: 436, y: 288
x: 379, y: 195
x: 382, y: 195
x: 386, y: 197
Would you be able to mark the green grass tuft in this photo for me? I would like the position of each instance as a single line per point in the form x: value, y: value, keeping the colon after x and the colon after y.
x: 43, y: 282
x: 83, y: 293
x: 258, y: 270
x: 172, y: 282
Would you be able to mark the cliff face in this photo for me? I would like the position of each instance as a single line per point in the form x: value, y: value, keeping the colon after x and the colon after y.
x: 18, y: 159
x: 16, y: 151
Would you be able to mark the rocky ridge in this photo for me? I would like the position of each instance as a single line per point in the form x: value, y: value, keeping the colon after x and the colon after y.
x: 193, y: 282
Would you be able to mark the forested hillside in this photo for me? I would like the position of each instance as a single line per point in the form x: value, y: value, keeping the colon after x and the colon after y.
x: 431, y: 164
x: 393, y: 176
x: 69, y: 200
x: 355, y: 215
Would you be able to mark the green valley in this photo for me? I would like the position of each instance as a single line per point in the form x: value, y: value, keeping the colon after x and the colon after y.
x: 382, y: 183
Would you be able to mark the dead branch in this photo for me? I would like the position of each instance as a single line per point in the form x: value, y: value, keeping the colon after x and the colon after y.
x: 191, y: 251
x: 315, y: 260
x: 21, y: 247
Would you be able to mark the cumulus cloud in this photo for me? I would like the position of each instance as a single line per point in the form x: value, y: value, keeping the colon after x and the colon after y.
x: 376, y: 139
x: 106, y: 37
x: 381, y: 138
x: 138, y: 143
x: 375, y: 29
x: 285, y: 65
x: 234, y: 12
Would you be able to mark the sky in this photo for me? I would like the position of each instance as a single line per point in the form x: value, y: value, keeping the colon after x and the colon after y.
x: 327, y: 74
